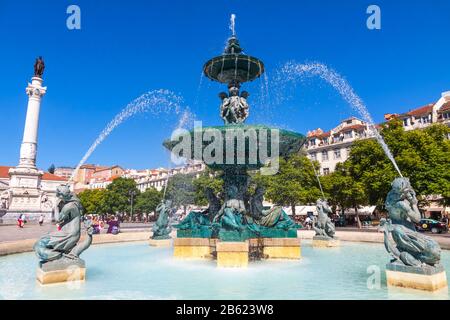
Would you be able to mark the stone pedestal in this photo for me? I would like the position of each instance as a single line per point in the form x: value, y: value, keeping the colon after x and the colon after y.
x: 232, y: 254
x: 193, y: 248
x: 421, y: 278
x: 324, y: 242
x: 60, y: 271
x: 163, y: 243
x: 282, y: 248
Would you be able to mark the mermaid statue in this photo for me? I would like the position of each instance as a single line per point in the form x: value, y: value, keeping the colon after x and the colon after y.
x: 323, y: 225
x: 61, y: 248
x: 406, y: 246
x: 161, y: 228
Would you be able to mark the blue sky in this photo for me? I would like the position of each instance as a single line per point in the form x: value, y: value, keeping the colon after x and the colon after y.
x: 126, y: 48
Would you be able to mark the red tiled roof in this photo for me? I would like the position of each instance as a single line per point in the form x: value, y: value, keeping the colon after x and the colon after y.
x: 421, y: 111
x: 445, y: 107
x: 352, y: 127
x: 4, y: 173
x: 52, y: 177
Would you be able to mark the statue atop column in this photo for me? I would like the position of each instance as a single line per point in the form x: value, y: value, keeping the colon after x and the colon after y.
x: 39, y: 67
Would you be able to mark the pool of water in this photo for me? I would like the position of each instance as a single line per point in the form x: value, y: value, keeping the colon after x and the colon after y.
x: 138, y: 271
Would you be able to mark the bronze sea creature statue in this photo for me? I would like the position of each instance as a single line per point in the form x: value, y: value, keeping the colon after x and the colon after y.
x: 162, y: 228
x: 61, y: 247
x: 402, y: 241
x: 274, y: 217
x: 323, y: 225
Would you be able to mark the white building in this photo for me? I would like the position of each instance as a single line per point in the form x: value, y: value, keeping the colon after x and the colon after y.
x: 332, y: 147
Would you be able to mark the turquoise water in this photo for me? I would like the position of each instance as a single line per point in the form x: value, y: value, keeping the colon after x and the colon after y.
x: 138, y: 271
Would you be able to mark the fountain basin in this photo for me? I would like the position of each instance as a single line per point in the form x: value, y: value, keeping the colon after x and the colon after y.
x: 254, y: 142
x: 139, y: 271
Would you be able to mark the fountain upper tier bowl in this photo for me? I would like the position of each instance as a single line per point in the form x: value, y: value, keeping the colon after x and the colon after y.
x: 233, y: 65
x: 246, y: 147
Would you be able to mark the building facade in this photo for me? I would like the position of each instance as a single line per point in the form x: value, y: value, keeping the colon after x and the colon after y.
x: 332, y: 147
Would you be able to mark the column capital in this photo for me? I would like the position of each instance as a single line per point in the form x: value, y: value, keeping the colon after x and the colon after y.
x: 35, y: 88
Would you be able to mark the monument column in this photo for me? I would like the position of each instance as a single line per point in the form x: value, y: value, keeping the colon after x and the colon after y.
x: 35, y: 92
x: 28, y: 149
x: 25, y: 179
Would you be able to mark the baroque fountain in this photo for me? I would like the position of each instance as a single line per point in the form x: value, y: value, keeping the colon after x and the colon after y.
x: 236, y: 226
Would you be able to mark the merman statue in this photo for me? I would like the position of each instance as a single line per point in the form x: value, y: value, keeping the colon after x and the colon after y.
x: 60, y: 247
x: 323, y: 225
x: 402, y: 241
x: 274, y: 217
x: 161, y: 229
x: 231, y: 214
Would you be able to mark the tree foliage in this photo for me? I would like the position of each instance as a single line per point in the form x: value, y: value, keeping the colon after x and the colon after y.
x: 294, y: 184
x: 181, y: 190
x: 208, y: 179
x: 118, y: 195
x: 94, y: 201
x: 147, y: 201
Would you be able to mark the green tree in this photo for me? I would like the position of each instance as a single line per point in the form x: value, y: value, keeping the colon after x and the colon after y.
x: 181, y: 190
x: 207, y: 179
x: 94, y: 201
x: 422, y: 156
x: 147, y: 201
x: 119, y: 193
x: 294, y: 184
x: 344, y: 190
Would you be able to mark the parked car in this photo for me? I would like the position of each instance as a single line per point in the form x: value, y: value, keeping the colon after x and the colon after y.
x: 431, y: 225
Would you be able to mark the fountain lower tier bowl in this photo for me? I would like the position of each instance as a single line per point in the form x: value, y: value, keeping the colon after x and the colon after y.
x: 233, y: 67
x: 235, y: 147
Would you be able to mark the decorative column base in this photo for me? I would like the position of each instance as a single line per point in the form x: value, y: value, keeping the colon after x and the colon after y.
x: 419, y: 278
x: 193, y: 248
x: 232, y: 254
x: 163, y: 243
x: 324, y: 242
x: 61, y: 271
x: 282, y: 248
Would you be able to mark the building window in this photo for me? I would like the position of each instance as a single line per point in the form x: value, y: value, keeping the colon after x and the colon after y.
x: 313, y: 156
x: 348, y: 135
x: 324, y: 155
x: 425, y: 119
x: 405, y: 122
x: 326, y: 171
x: 337, y: 154
x: 446, y: 115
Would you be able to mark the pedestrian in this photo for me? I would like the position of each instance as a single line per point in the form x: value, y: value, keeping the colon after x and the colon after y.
x: 41, y: 220
x: 21, y: 221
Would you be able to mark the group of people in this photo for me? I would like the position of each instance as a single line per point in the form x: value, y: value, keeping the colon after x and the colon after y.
x: 22, y: 219
x: 99, y: 223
